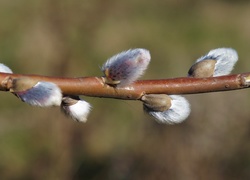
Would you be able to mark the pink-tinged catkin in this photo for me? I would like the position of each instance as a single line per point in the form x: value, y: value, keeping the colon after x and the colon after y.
x: 126, y: 67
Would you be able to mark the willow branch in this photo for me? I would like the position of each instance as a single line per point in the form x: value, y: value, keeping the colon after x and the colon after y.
x: 95, y: 86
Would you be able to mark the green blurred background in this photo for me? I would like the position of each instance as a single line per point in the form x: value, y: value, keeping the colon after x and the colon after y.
x: 73, y: 38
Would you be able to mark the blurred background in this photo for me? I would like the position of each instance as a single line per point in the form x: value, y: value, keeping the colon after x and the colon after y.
x: 73, y: 38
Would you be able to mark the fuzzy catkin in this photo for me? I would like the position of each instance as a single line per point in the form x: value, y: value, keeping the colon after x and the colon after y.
x: 126, y: 67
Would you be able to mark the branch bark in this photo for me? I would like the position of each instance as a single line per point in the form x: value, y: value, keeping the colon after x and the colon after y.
x: 95, y: 86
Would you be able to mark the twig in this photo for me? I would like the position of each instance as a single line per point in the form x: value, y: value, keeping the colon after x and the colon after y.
x: 94, y: 86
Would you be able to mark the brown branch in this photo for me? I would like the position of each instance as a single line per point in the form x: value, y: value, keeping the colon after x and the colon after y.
x: 94, y: 86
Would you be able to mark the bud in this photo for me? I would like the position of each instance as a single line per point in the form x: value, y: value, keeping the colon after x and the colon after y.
x: 156, y: 102
x: 75, y: 108
x: 202, y: 69
x: 225, y: 59
x: 171, y: 109
x: 126, y: 67
x: 5, y: 69
x: 36, y: 93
